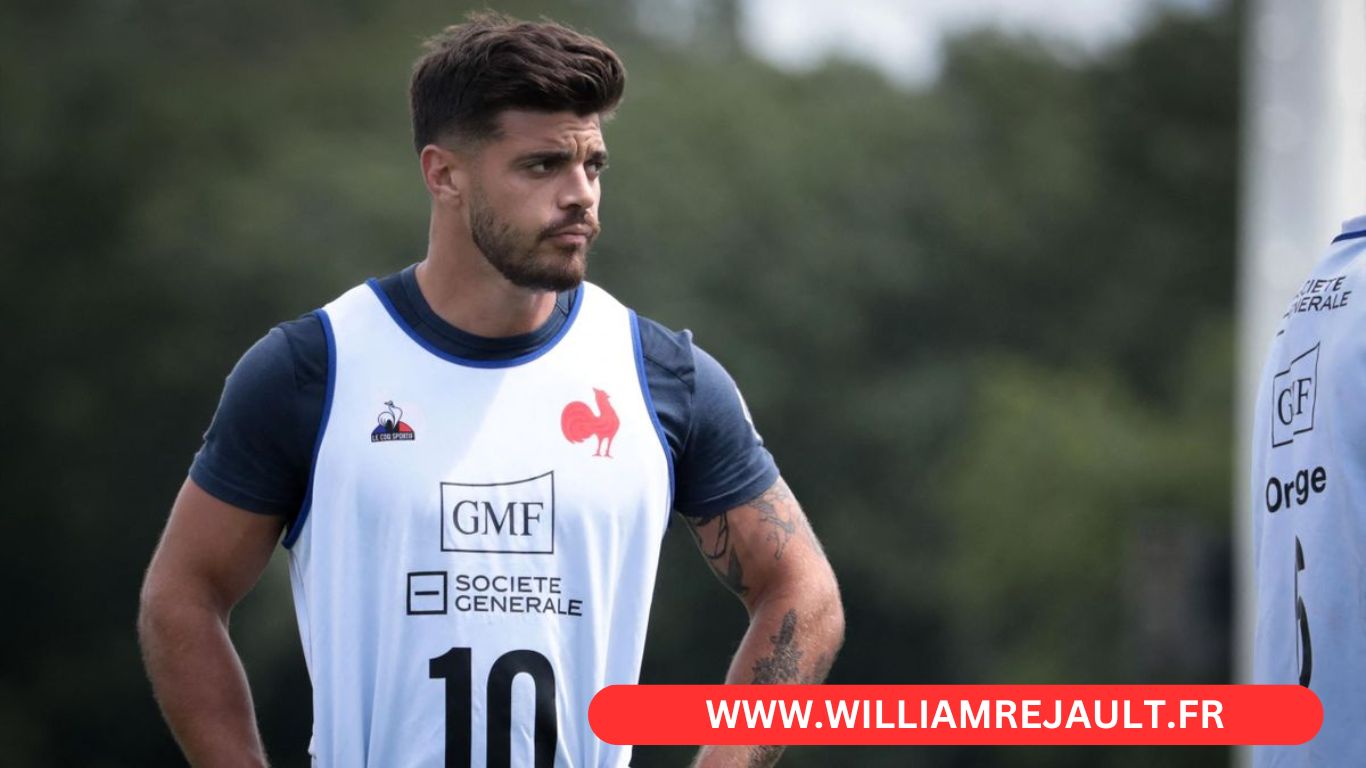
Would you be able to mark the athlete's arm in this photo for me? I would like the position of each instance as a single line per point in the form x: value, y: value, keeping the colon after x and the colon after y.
x: 766, y: 553
x: 210, y: 555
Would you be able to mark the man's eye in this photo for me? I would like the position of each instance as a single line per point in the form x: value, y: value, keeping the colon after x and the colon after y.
x: 540, y: 166
x: 597, y: 166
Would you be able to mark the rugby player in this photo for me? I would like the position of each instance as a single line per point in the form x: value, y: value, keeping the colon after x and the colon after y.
x: 1309, y: 506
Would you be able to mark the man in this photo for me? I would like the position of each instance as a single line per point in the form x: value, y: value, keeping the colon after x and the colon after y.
x: 1309, y: 506
x: 472, y: 462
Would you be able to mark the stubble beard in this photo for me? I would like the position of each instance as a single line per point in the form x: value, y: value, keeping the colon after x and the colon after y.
x: 526, y: 260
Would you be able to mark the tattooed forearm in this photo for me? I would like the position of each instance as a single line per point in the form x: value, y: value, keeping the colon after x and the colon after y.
x: 777, y: 508
x: 781, y: 666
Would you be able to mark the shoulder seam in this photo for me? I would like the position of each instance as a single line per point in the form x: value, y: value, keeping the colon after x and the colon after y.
x: 663, y: 367
x: 293, y: 360
x: 686, y: 437
x: 309, y: 429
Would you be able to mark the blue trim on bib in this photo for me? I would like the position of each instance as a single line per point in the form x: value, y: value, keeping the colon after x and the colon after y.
x: 1349, y: 236
x: 469, y: 362
x: 297, y: 526
x: 650, y: 403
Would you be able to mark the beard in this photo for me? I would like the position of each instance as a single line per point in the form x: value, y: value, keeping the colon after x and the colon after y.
x: 529, y: 260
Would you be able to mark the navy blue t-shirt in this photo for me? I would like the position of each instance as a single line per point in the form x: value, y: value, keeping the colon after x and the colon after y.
x: 258, y: 450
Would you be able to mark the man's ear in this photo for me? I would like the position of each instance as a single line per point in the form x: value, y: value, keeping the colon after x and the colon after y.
x: 444, y: 174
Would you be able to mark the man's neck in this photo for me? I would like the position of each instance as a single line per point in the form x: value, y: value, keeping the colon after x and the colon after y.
x: 469, y: 293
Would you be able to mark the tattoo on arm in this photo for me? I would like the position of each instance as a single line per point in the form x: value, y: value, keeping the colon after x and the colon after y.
x: 735, y: 575
x: 779, y: 517
x: 722, y: 539
x: 721, y: 555
x: 781, y: 667
x: 776, y: 508
x: 769, y: 513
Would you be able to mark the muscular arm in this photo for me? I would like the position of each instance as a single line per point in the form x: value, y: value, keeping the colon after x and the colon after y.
x: 210, y: 555
x: 767, y: 554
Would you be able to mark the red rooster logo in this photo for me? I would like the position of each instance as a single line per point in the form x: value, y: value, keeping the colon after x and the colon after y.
x: 579, y: 422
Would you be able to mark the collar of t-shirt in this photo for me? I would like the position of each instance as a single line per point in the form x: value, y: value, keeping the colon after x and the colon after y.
x: 403, y: 292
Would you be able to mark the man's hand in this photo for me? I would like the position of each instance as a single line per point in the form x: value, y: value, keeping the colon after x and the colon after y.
x: 210, y: 555
x: 767, y: 554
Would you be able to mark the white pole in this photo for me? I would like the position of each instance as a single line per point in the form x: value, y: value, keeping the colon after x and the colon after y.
x: 1304, y: 172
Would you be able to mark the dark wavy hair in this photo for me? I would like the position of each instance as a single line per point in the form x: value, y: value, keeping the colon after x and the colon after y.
x: 473, y: 71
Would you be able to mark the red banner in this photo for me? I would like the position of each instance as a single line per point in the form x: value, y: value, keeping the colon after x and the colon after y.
x: 955, y: 714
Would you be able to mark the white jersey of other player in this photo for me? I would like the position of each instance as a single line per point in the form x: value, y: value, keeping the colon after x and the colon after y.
x: 478, y: 555
x: 1309, y: 505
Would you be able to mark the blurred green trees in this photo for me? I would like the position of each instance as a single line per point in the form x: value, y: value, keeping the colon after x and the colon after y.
x: 984, y: 326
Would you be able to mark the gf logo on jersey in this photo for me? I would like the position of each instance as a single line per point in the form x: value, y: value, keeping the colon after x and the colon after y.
x: 516, y: 518
x: 1293, y: 395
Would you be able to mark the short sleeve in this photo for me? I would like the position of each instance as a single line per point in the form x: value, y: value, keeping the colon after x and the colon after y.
x: 258, y: 449
x: 719, y: 460
x: 724, y: 462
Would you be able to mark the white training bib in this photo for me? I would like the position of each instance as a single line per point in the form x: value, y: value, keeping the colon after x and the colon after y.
x: 478, y: 552
x: 1309, y: 506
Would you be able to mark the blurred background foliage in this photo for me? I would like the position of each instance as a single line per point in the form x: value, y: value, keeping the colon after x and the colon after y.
x: 983, y: 323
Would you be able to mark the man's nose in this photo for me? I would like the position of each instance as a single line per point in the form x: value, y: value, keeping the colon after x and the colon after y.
x: 578, y: 191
